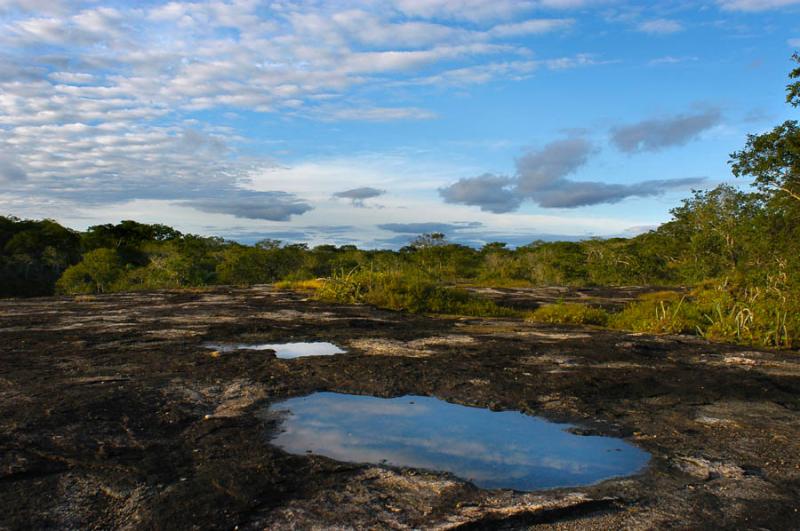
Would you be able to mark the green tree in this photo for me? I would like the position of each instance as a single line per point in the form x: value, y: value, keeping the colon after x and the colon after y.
x: 793, y: 88
x: 773, y: 158
x: 33, y: 254
x: 715, y: 229
x: 96, y: 273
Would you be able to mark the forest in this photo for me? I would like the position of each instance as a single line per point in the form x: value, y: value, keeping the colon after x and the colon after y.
x: 734, y: 253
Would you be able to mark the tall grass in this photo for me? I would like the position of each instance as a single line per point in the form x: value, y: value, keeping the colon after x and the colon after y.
x: 766, y: 315
x: 722, y: 312
x: 759, y: 316
x: 663, y: 312
x: 405, y: 289
x: 311, y: 284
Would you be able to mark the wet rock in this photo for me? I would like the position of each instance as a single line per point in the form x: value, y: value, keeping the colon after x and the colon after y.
x: 114, y: 416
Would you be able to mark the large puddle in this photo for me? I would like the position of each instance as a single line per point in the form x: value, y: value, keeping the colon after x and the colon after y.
x: 504, y: 449
x: 282, y: 350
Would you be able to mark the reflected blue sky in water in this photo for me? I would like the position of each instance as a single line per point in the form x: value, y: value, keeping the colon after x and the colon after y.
x: 493, y: 449
x: 283, y: 350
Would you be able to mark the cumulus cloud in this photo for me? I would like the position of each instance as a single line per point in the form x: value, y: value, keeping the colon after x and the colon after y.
x: 270, y: 206
x: 359, y: 195
x: 493, y: 193
x: 659, y: 133
x: 542, y: 177
x: 542, y: 170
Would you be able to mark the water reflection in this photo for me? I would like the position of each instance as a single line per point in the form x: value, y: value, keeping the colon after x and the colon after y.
x: 492, y: 449
x: 282, y: 350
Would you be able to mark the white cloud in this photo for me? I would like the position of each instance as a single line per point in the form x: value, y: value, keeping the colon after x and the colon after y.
x: 755, y: 5
x: 513, y: 70
x: 100, y: 118
x: 672, y: 60
x: 530, y: 27
x: 377, y: 114
x: 483, y: 10
x: 661, y: 26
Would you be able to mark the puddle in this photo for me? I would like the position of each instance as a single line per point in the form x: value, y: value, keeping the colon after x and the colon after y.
x: 282, y: 350
x: 505, y: 449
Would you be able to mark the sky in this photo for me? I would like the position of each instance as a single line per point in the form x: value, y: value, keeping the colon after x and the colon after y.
x: 373, y: 121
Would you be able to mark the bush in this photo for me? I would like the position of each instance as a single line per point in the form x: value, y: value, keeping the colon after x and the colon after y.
x: 569, y: 313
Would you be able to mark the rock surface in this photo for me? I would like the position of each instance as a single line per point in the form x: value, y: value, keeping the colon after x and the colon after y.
x: 113, y: 415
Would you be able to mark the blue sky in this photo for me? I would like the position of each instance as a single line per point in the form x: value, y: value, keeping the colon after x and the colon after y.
x: 370, y: 121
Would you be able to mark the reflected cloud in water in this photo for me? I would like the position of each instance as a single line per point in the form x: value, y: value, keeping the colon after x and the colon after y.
x: 283, y: 350
x: 493, y: 449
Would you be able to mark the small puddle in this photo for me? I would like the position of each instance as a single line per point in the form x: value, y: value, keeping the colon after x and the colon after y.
x: 282, y: 350
x: 505, y: 449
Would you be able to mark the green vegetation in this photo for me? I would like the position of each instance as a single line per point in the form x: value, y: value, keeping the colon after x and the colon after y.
x: 763, y: 316
x: 738, y: 251
x: 569, y: 313
x: 659, y: 313
x: 33, y: 255
x: 405, y: 289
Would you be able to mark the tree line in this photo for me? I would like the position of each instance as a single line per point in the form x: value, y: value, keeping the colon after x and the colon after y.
x: 749, y: 238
